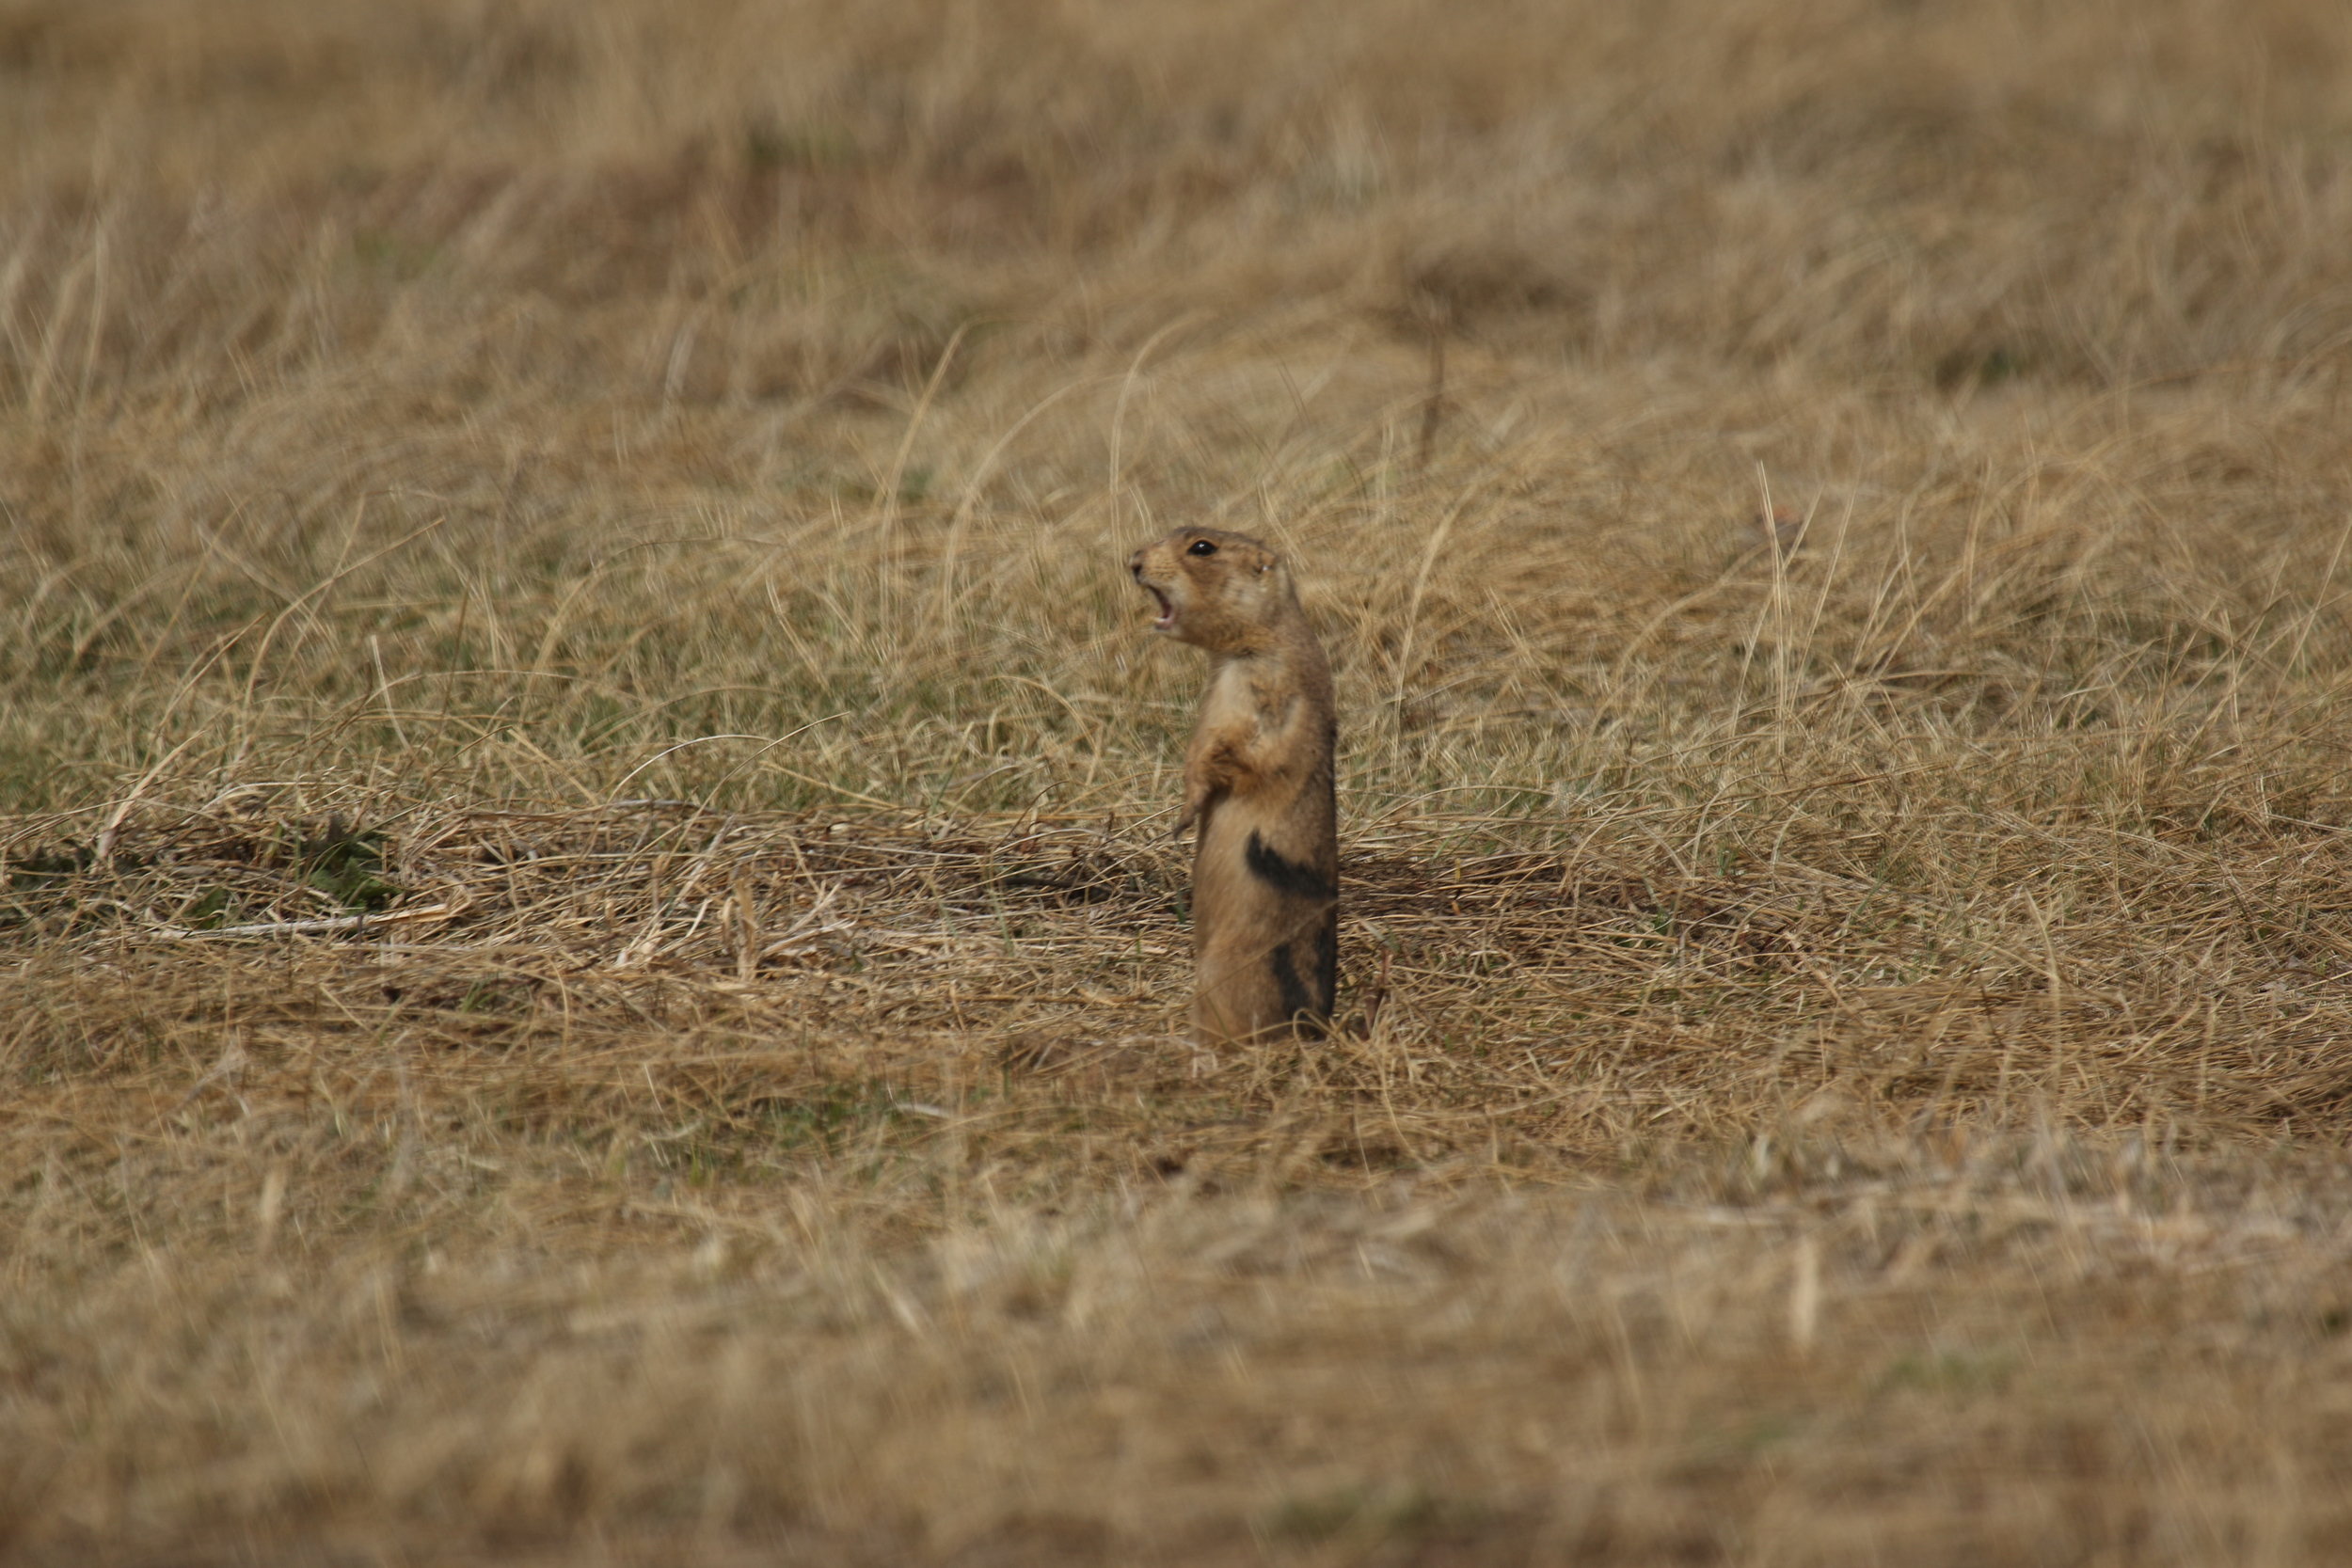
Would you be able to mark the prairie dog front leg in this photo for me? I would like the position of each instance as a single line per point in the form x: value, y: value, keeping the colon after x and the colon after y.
x: 1213, y: 769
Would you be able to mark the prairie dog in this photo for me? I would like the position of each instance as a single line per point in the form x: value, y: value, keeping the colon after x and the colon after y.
x: 1257, y: 782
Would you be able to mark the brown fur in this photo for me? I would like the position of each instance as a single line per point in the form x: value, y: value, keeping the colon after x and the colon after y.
x: 1258, y: 780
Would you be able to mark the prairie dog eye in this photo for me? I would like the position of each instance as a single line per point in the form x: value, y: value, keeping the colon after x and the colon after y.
x: 1203, y: 546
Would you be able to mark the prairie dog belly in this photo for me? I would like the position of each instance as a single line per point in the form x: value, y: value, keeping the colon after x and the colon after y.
x: 1265, y: 920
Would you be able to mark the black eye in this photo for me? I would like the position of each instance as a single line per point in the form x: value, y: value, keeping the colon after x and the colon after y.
x: 1203, y: 546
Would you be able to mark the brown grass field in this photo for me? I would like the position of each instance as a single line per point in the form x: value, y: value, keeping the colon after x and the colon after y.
x: 591, y: 956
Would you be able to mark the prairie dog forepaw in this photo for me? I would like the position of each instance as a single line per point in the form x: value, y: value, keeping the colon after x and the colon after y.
x: 1195, y: 803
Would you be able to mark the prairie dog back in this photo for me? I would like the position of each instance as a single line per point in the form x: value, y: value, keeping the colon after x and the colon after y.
x: 1258, y: 782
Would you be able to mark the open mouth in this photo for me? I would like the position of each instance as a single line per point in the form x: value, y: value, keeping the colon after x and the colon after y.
x: 1168, y: 609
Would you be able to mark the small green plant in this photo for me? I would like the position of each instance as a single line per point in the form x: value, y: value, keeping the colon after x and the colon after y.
x: 348, y: 866
x: 827, y: 1119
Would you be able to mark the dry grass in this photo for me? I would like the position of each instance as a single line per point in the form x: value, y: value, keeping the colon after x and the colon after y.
x: 589, y: 954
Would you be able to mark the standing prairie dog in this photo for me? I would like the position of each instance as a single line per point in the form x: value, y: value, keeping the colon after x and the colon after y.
x: 1257, y: 782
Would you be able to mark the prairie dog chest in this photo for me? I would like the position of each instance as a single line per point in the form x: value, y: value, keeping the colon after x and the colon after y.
x: 1234, y: 709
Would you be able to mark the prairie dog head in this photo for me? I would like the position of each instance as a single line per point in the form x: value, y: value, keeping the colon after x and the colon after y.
x: 1223, y: 592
